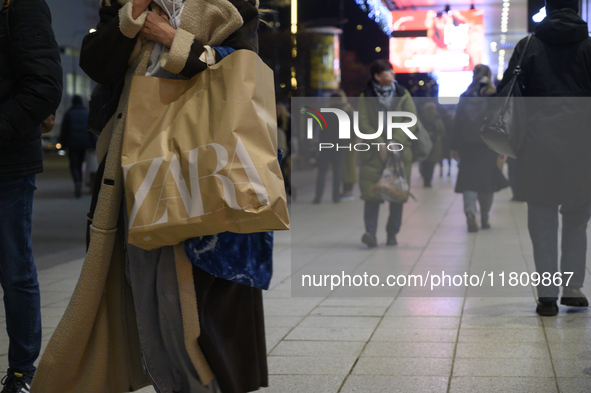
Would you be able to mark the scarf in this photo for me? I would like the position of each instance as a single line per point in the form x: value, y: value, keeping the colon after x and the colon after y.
x: 385, y: 94
x: 173, y: 10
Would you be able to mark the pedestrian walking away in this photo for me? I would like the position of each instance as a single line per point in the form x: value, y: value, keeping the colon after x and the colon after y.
x: 554, y: 163
x: 329, y: 158
x: 77, y: 140
x: 350, y: 156
x: 479, y: 177
x: 433, y: 122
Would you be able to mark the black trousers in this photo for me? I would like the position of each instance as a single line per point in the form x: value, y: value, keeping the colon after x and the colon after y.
x: 76, y: 157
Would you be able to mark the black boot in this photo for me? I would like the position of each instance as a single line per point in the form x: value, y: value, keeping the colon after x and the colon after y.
x: 78, y: 189
x: 391, y: 240
x: 484, y: 224
x: 547, y: 309
x: 471, y: 219
x: 573, y: 297
x: 369, y: 239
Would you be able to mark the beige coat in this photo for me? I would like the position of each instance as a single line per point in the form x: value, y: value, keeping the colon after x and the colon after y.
x: 95, y: 348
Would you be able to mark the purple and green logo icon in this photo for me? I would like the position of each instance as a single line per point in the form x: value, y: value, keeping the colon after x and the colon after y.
x: 316, y: 115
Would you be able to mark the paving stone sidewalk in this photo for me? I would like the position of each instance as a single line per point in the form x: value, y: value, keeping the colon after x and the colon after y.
x: 451, y: 344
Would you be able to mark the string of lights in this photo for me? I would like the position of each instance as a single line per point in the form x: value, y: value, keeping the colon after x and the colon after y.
x: 377, y: 11
x: 504, y: 29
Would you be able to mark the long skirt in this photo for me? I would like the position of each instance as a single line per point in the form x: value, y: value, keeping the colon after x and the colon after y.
x: 230, y: 317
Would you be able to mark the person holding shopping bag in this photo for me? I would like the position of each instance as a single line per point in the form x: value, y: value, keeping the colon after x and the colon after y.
x: 141, y: 317
x: 382, y: 94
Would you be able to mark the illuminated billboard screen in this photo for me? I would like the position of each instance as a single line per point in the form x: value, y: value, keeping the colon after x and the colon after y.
x: 427, y: 41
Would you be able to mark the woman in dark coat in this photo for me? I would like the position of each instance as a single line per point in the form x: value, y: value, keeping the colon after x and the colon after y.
x: 433, y: 122
x: 330, y: 158
x: 554, y: 165
x: 479, y: 177
x: 448, y: 121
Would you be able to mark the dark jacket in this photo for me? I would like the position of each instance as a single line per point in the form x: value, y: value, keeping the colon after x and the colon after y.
x: 74, y: 134
x: 30, y: 84
x: 554, y: 165
x: 469, y: 117
x: 478, y: 170
x: 106, y: 63
x: 435, y: 126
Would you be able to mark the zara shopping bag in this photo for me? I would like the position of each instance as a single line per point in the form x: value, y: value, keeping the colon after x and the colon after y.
x: 200, y: 156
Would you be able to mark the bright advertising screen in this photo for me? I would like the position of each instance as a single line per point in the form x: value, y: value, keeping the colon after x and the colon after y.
x: 436, y: 41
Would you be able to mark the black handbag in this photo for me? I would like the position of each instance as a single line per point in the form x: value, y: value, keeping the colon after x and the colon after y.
x: 505, y: 122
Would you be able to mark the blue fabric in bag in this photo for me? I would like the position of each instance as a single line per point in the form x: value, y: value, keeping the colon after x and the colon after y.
x: 223, y: 50
x: 244, y: 258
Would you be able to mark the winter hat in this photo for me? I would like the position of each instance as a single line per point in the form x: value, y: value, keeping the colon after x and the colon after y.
x: 553, y: 5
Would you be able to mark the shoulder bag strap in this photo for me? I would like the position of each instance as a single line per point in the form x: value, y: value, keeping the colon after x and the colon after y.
x: 516, y: 73
x: 518, y: 68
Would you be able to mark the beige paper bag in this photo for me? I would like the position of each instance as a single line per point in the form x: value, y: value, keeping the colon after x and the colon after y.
x: 200, y: 156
